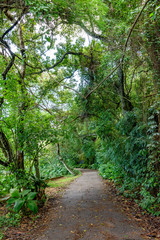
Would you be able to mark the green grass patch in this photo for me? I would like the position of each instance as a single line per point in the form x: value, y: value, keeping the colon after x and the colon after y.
x: 62, y: 182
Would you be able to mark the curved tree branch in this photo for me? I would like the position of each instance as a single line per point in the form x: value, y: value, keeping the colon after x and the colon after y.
x: 61, y: 60
x: 14, y: 24
x: 2, y: 6
x: 9, y: 66
x: 132, y: 28
x: 94, y: 89
x: 91, y: 33
x: 124, y: 50
x: 6, y: 147
x: 4, y: 74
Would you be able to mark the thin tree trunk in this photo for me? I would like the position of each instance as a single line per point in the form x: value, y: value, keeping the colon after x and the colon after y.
x: 125, y: 101
x: 61, y: 160
x: 36, y: 166
x: 23, y: 108
x: 31, y: 166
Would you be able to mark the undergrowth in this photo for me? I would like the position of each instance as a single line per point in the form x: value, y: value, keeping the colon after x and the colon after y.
x: 128, y: 158
x: 11, y: 219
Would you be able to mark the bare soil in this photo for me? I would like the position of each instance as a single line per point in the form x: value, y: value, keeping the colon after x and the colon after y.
x: 87, y: 211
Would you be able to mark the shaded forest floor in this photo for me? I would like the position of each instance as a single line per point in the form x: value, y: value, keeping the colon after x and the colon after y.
x: 89, y: 209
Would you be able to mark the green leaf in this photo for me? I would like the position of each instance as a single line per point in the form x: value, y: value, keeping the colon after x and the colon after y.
x: 158, y: 7
x: 32, y: 206
x: 18, y: 204
x: 10, y: 202
x: 31, y: 195
x: 15, y: 193
x: 151, y: 14
x: 4, y: 198
x: 25, y: 192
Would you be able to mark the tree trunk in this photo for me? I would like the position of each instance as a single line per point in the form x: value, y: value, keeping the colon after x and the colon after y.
x: 36, y: 166
x: 20, y: 160
x: 8, y: 4
x: 23, y: 107
x: 61, y: 160
x: 153, y: 49
x: 125, y: 100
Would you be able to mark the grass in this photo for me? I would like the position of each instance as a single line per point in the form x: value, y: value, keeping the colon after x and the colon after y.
x: 62, y: 182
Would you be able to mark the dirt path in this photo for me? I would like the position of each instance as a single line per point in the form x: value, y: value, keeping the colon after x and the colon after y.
x: 85, y: 212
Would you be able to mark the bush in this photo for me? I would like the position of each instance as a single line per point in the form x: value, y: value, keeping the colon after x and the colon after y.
x: 23, y: 201
x: 124, y: 158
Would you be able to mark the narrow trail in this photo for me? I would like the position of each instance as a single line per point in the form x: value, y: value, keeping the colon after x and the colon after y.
x: 85, y: 212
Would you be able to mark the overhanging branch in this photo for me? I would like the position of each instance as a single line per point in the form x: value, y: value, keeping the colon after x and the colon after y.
x: 94, y: 89
x: 91, y: 33
x: 14, y: 24
x: 60, y: 61
x: 132, y: 28
x: 124, y: 50
x: 4, y: 74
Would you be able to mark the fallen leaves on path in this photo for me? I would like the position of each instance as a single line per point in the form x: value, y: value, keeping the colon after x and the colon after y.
x: 150, y: 223
x: 28, y: 227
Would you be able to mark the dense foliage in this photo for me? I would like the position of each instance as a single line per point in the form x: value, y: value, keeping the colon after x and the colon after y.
x: 79, y: 88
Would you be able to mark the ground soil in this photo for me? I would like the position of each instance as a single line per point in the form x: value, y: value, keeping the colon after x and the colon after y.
x: 86, y: 212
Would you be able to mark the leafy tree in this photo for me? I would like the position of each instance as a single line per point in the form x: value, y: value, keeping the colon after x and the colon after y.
x: 110, y: 121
